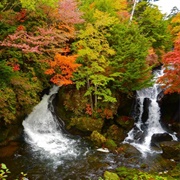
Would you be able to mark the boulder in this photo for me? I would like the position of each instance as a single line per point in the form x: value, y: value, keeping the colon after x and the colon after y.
x: 160, y: 137
x: 125, y: 122
x: 86, y: 124
x: 97, y: 139
x: 115, y: 133
x: 128, y: 150
x: 171, y: 150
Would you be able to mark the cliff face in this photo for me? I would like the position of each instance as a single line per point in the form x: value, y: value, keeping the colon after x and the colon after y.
x: 170, y: 112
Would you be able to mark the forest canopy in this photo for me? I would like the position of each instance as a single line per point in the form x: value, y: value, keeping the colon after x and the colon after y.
x: 90, y: 45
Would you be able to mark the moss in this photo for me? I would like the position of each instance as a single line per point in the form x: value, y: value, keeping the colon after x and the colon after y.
x: 134, y: 174
x: 86, y: 124
x: 115, y: 133
x: 110, y: 176
x: 110, y: 144
x: 98, y: 139
x: 171, y: 150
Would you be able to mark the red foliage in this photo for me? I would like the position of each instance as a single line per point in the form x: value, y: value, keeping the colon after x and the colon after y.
x: 88, y: 109
x: 69, y: 12
x: 21, y: 16
x: 21, y: 28
x: 62, y: 67
x: 16, y: 67
x: 108, y: 114
x: 38, y: 41
x: 171, y: 78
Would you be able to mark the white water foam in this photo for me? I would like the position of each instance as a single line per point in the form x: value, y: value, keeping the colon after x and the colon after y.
x: 44, y: 134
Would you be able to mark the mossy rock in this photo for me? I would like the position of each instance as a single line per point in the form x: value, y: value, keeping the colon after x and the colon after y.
x: 115, y: 133
x: 86, y: 124
x: 175, y: 172
x: 98, y: 139
x: 128, y: 150
x: 160, y: 164
x: 110, y: 144
x: 69, y: 103
x: 125, y: 122
x: 171, y: 150
x: 132, y: 173
x: 110, y: 176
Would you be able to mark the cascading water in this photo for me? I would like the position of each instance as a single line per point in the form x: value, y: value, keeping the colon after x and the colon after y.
x: 44, y: 132
x: 140, y: 136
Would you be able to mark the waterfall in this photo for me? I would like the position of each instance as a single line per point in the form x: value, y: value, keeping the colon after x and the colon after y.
x: 140, y: 136
x: 44, y: 132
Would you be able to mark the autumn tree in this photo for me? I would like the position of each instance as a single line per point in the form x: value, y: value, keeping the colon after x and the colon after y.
x: 174, y: 25
x: 114, y: 8
x: 94, y: 51
x: 62, y: 68
x: 170, y: 81
x: 32, y: 32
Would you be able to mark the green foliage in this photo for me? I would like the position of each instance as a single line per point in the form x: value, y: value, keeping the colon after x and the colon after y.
x: 108, y: 6
x: 5, y: 73
x: 152, y: 24
x: 110, y: 176
x: 32, y: 4
x: 94, y: 52
x: 7, y: 105
x: 129, y: 63
x: 4, y: 171
x: 134, y: 174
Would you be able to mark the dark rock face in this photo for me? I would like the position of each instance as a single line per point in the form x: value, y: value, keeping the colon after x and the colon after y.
x: 125, y: 122
x: 171, y: 150
x: 170, y: 112
x: 160, y: 137
x: 115, y: 133
x: 145, y: 114
x: 11, y: 133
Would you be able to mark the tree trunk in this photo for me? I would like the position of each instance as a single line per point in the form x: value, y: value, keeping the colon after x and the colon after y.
x: 95, y: 101
x: 90, y: 96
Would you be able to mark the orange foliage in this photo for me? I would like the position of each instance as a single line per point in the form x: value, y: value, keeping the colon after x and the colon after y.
x: 21, y: 16
x: 152, y: 57
x: 108, y: 114
x: 62, y: 68
x: 21, y: 28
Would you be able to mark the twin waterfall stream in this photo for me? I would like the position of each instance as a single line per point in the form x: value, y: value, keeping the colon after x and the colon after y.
x: 70, y: 156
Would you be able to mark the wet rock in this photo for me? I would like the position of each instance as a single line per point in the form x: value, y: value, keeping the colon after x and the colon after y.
x: 145, y: 113
x: 98, y: 139
x: 110, y: 176
x: 160, y: 164
x: 9, y: 149
x: 128, y: 150
x: 171, y: 150
x: 116, y: 133
x: 160, y: 137
x: 125, y: 122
